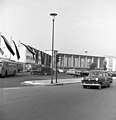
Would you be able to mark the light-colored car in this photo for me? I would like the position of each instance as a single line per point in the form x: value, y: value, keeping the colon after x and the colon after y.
x: 60, y: 70
x: 71, y: 71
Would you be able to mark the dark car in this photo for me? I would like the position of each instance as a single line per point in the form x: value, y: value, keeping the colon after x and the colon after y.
x: 98, y: 78
x: 112, y: 73
x: 39, y: 69
x: 82, y: 72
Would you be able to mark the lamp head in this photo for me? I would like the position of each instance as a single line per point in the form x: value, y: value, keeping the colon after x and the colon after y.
x: 53, y: 15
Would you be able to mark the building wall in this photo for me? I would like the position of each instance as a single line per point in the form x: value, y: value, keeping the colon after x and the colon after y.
x: 111, y: 63
x: 79, y: 61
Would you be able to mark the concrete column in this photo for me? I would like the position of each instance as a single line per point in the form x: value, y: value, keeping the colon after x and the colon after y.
x: 63, y: 61
x: 98, y: 62
x: 72, y: 61
x: 92, y: 59
x: 79, y: 61
x: 86, y: 61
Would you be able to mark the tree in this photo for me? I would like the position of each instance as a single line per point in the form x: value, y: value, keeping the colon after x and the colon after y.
x: 104, y: 65
x: 92, y: 66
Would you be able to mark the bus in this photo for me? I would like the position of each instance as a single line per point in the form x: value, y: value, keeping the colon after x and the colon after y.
x: 7, y: 68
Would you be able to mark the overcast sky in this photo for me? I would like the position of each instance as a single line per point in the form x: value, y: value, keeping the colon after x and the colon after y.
x: 81, y: 25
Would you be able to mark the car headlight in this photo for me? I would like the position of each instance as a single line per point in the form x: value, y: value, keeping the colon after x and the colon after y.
x: 96, y: 79
x: 82, y: 78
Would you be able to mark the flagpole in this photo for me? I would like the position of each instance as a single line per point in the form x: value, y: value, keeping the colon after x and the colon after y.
x: 11, y: 46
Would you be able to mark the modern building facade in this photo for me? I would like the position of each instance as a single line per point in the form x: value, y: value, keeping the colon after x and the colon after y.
x: 79, y: 61
x: 66, y: 61
x: 110, y: 63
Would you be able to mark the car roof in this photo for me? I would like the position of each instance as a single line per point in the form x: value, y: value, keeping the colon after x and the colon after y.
x: 98, y: 71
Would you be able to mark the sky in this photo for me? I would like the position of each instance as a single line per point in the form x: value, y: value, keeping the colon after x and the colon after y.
x: 81, y: 25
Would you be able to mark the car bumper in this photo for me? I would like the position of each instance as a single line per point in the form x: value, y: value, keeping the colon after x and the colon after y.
x: 87, y: 84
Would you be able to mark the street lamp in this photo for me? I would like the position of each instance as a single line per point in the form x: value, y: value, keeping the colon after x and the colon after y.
x: 86, y: 57
x: 53, y: 15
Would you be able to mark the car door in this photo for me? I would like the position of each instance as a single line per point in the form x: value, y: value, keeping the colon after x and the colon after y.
x: 109, y: 78
x: 104, y: 79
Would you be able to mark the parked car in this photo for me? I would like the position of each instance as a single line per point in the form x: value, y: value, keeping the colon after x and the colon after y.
x: 39, y: 69
x: 98, y: 78
x: 82, y: 72
x: 112, y: 73
x: 71, y: 72
x: 60, y: 70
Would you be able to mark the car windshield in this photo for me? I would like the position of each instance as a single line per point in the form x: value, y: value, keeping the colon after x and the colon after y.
x: 95, y: 74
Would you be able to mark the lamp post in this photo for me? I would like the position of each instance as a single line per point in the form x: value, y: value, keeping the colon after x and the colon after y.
x: 86, y: 57
x: 53, y: 15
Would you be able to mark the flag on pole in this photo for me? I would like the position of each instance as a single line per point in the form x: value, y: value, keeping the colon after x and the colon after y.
x: 1, y: 51
x: 29, y: 49
x: 17, y: 51
x: 8, y: 45
x: 42, y: 57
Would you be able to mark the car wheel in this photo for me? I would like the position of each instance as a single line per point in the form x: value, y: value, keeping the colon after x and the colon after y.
x: 99, y: 87
x: 5, y: 74
x: 84, y: 86
x: 108, y: 85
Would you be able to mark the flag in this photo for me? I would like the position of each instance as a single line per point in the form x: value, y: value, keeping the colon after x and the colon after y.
x: 8, y: 45
x: 36, y: 56
x: 49, y: 60
x: 17, y: 51
x: 1, y: 51
x: 33, y: 49
x: 42, y: 57
x: 29, y: 49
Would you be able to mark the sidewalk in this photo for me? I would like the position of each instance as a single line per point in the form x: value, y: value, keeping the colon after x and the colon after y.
x: 48, y: 82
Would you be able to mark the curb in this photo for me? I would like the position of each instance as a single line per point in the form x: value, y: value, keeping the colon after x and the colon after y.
x: 38, y: 83
x: 48, y: 82
x: 42, y: 84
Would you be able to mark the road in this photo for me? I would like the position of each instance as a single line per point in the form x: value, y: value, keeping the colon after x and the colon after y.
x: 63, y: 102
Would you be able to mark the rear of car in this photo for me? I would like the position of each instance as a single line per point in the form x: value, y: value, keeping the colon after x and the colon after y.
x: 98, y: 79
